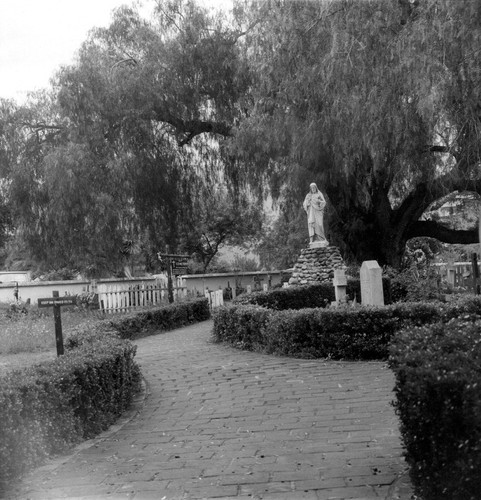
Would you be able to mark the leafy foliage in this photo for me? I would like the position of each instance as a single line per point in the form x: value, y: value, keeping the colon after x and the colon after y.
x: 300, y: 297
x: 376, y: 101
x: 343, y: 333
x: 218, y: 222
x: 118, y: 151
x: 438, y: 400
x: 375, y: 105
x: 47, y: 408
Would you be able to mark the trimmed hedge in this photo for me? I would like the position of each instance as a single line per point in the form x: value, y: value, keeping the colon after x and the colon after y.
x: 438, y: 389
x: 167, y: 317
x: 302, y: 297
x: 47, y: 408
x: 343, y: 333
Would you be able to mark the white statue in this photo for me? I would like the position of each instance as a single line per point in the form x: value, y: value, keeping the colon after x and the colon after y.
x: 314, y: 205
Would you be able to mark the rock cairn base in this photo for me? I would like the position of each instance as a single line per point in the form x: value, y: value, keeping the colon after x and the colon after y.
x: 316, y: 265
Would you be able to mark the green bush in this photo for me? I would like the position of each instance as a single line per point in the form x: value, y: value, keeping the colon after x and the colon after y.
x: 168, y: 317
x: 47, y: 408
x: 240, y: 325
x: 298, y: 297
x: 301, y: 297
x: 438, y: 380
x: 416, y: 283
x: 349, y: 333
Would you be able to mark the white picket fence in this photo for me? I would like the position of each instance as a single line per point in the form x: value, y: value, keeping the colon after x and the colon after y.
x: 216, y: 298
x: 123, y: 298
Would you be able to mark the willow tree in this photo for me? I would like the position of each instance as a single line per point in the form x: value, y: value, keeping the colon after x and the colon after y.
x: 126, y: 150
x: 378, y: 101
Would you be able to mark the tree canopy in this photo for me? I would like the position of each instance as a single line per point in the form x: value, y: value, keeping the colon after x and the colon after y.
x: 375, y: 102
x: 378, y: 101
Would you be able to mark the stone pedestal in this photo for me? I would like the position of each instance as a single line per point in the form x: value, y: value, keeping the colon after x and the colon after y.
x: 316, y: 265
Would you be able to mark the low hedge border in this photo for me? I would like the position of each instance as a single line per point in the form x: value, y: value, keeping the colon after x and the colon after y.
x: 438, y: 381
x: 168, y: 317
x: 343, y: 333
x: 49, y: 407
x: 302, y: 297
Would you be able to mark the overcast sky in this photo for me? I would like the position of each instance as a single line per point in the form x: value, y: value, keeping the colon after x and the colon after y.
x: 38, y: 36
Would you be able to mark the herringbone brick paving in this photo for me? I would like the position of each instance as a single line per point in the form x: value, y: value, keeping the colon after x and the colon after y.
x: 223, y: 423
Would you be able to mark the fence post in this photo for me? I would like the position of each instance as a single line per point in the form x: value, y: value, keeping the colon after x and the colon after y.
x: 475, y: 273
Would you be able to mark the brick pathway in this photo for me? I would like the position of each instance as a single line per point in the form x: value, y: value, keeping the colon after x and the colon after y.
x: 222, y: 423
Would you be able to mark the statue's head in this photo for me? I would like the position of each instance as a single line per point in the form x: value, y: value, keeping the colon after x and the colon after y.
x: 313, y: 187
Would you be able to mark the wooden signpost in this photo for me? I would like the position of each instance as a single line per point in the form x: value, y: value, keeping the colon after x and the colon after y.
x: 56, y: 302
x: 176, y: 264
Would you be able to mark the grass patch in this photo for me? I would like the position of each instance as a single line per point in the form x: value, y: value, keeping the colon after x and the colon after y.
x: 34, y: 331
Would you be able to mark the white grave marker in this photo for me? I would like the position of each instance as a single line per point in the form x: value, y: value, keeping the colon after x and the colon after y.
x: 451, y: 275
x: 371, y: 284
x: 340, y: 285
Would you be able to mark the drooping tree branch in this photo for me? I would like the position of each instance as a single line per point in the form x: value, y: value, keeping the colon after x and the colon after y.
x: 188, y: 129
x: 40, y: 126
x: 442, y: 233
x: 192, y: 128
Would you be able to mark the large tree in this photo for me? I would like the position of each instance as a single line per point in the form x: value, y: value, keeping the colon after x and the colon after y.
x: 125, y: 147
x: 375, y: 100
x: 378, y: 101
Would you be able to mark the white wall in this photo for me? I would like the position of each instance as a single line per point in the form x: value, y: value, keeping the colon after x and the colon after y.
x: 35, y: 290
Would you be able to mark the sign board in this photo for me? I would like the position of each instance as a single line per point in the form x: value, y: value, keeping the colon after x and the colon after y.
x: 179, y: 266
x: 176, y: 264
x: 179, y: 270
x: 57, y: 301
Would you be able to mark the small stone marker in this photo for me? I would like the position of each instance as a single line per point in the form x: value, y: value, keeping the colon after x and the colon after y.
x: 451, y: 275
x: 249, y: 289
x: 340, y: 286
x: 371, y: 284
x: 55, y: 301
x: 265, y: 287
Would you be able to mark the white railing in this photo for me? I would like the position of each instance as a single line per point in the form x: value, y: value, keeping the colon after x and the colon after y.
x: 216, y: 298
x: 123, y: 298
x: 457, y: 273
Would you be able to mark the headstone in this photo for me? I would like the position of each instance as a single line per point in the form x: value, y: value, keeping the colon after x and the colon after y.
x: 265, y: 287
x: 340, y: 285
x: 371, y: 284
x: 451, y: 275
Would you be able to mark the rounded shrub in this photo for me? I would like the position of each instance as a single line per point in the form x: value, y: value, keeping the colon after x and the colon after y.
x: 438, y: 400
